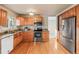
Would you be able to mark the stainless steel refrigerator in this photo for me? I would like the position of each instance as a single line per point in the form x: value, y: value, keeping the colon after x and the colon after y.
x: 68, y: 37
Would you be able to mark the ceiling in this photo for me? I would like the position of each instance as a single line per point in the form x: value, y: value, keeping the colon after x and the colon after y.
x: 43, y: 9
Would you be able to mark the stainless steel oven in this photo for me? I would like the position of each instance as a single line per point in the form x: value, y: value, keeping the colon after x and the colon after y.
x: 38, y: 36
x: 38, y: 32
x: 38, y: 26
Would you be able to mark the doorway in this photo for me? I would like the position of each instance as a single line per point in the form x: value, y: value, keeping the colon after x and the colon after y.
x: 52, y: 27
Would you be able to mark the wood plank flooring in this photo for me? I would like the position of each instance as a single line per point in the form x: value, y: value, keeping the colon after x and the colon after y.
x: 51, y: 47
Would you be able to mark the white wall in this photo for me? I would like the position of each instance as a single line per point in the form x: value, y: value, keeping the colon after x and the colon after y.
x: 52, y: 26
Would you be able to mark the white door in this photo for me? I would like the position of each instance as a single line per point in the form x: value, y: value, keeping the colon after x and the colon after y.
x: 52, y: 27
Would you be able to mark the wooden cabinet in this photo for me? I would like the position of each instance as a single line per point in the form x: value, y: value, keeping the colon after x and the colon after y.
x: 38, y: 19
x: 72, y: 11
x: 77, y: 29
x: 3, y: 17
x: 17, y: 38
x: 77, y: 9
x: 25, y: 20
x: 45, y: 36
x: 25, y: 34
x: 28, y: 36
x: 30, y: 21
x: 69, y: 13
x: 21, y: 20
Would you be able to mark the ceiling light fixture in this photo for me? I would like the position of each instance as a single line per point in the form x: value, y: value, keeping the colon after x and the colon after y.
x: 31, y: 13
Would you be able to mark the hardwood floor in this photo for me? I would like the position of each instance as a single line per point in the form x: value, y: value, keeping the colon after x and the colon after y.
x: 51, y: 47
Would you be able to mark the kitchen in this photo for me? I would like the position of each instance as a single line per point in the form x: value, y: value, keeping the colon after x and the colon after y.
x: 30, y: 29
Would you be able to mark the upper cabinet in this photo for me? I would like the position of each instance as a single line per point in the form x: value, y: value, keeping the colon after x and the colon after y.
x: 38, y: 19
x: 3, y: 18
x: 77, y: 9
x: 77, y: 28
x: 72, y: 11
x: 69, y: 13
x: 29, y: 20
x: 21, y: 20
x: 25, y: 20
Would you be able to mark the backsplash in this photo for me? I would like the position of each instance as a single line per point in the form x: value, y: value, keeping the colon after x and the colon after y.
x: 3, y: 29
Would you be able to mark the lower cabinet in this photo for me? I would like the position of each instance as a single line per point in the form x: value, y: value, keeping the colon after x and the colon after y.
x: 6, y: 45
x: 17, y: 39
x: 45, y: 36
x: 77, y: 30
x: 28, y: 36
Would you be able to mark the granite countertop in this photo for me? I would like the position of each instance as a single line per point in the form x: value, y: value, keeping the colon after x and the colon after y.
x: 5, y: 35
x: 9, y: 32
x: 45, y: 29
x: 12, y: 32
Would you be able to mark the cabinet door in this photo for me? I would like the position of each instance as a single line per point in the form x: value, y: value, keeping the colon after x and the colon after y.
x: 15, y: 42
x: 30, y: 21
x: 72, y: 12
x: 3, y: 18
x: 4, y: 46
x: 26, y: 21
x: 0, y: 16
x: 45, y: 36
x: 38, y: 19
x: 17, y: 39
x: 77, y: 9
x: 25, y: 36
x: 30, y: 36
x: 22, y: 22
x: 77, y: 28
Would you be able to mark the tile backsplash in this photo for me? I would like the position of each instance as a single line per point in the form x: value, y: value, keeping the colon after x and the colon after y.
x: 3, y: 29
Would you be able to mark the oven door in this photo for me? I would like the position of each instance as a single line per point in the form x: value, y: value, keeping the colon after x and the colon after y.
x: 38, y: 36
